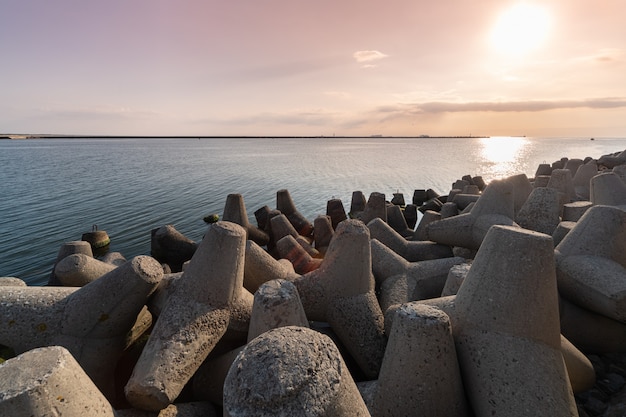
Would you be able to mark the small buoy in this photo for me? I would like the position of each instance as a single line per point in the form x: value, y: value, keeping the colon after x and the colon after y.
x: 211, y: 218
x: 98, y: 239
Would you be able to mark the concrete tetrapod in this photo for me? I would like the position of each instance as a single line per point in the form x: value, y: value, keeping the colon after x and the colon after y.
x: 420, y: 373
x: 261, y: 267
x: 512, y: 366
x: 69, y: 248
x: 591, y: 262
x: 276, y: 304
x: 49, y: 382
x: 169, y: 246
x: 92, y: 322
x: 78, y: 269
x: 541, y: 211
x: 494, y: 207
x: 409, y: 250
x: 608, y: 189
x: 341, y: 292
x: 402, y: 281
x: 289, y: 248
x: 196, y: 316
x: 285, y: 204
x: 291, y: 371
x: 235, y: 212
x: 376, y: 206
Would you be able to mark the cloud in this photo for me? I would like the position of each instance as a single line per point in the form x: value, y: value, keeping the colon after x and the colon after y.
x: 605, y: 56
x: 368, y: 56
x: 497, y: 106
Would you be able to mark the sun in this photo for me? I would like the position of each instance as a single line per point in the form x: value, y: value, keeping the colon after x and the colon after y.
x: 520, y: 29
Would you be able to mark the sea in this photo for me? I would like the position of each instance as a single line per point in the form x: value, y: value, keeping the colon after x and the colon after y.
x: 52, y: 190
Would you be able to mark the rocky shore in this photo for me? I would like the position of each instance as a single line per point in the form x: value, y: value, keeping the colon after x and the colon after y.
x: 506, y: 298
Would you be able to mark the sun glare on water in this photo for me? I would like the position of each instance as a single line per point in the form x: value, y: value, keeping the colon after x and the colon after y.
x: 520, y: 29
x: 502, y: 155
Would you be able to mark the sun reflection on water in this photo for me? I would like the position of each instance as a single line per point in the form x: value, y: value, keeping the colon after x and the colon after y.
x: 502, y: 156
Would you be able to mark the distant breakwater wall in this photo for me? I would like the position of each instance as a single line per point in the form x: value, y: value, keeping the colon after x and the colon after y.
x: 491, y: 304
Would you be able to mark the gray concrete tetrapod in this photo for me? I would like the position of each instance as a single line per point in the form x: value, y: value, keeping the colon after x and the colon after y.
x: 196, y: 316
x: 341, y: 292
x: 572, y: 212
x: 291, y: 371
x: 235, y: 212
x: 608, y: 189
x: 511, y: 365
x: 429, y: 216
x: 409, y: 250
x: 402, y: 281
x: 336, y: 212
x: 78, y: 269
x: 280, y: 226
x: 591, y: 262
x: 420, y: 373
x: 397, y: 221
x: 541, y: 211
x: 92, y: 322
x: 561, y: 180
x: 48, y: 381
x: 261, y: 267
x: 324, y: 231
x: 285, y: 204
x: 376, y: 206
x: 69, y: 248
x: 169, y: 246
x: 591, y: 332
x: 276, y: 304
x: 494, y: 207
x: 582, y: 178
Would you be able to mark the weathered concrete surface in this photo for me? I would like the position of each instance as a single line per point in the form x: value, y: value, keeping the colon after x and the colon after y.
x: 194, y: 319
x: 49, y: 382
x: 591, y: 262
x: 411, y: 383
x: 291, y: 371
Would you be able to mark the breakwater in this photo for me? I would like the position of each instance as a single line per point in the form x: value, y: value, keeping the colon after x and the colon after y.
x: 475, y: 311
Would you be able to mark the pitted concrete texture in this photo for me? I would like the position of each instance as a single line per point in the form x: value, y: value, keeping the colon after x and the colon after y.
x: 541, y: 211
x: 196, y: 316
x: 512, y: 366
x: 78, y: 269
x: 591, y: 262
x: 49, y: 382
x: 276, y: 304
x: 341, y: 292
x: 92, y: 322
x: 291, y: 371
x: 420, y: 370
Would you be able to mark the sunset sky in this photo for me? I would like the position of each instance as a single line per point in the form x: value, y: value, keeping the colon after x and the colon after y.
x: 323, y: 67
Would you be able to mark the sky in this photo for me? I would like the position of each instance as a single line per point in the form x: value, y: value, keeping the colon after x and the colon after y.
x: 313, y: 68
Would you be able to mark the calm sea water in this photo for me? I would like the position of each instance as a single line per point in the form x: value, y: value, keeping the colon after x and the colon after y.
x: 54, y: 190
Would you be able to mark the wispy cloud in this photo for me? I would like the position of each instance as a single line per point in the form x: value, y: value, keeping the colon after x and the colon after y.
x: 368, y: 57
x: 605, y: 56
x: 508, y: 106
